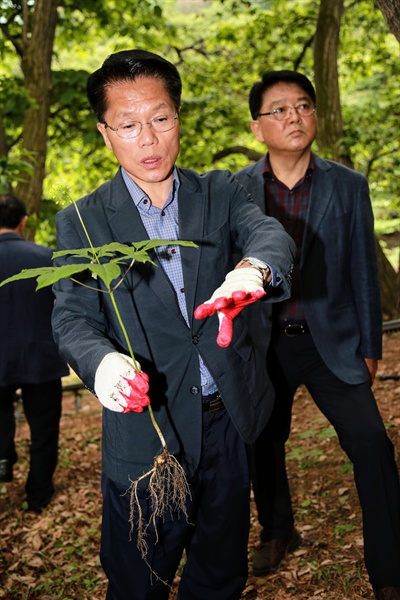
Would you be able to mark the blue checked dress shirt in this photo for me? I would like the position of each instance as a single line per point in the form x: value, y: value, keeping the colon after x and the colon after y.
x: 162, y: 223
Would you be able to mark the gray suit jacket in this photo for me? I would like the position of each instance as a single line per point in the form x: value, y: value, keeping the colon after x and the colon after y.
x: 217, y: 214
x: 338, y: 270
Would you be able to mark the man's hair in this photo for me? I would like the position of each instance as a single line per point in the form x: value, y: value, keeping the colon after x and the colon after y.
x: 12, y: 210
x: 126, y: 66
x: 272, y: 78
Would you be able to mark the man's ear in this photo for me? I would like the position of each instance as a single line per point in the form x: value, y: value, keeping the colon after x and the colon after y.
x: 21, y: 225
x: 256, y: 129
x: 103, y: 130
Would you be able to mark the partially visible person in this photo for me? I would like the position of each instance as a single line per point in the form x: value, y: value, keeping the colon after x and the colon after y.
x: 328, y: 335
x: 29, y: 358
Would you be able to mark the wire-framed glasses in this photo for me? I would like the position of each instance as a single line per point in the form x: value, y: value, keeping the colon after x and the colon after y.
x: 281, y: 113
x: 131, y: 129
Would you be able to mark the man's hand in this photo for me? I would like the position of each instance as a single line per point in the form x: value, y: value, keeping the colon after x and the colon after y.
x: 372, y: 366
x: 241, y: 287
x: 118, y: 386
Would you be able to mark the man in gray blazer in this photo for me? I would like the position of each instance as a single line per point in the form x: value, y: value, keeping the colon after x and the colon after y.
x: 328, y: 335
x: 208, y: 398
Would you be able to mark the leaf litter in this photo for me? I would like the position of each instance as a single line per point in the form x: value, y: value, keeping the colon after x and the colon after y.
x: 55, y: 555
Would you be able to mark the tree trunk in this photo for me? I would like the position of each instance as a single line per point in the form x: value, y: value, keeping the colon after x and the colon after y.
x: 36, y: 56
x: 390, y: 286
x: 391, y: 11
x: 326, y: 44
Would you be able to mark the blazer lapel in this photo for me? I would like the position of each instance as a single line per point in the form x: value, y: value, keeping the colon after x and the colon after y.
x: 256, y: 185
x: 191, y: 220
x: 320, y: 196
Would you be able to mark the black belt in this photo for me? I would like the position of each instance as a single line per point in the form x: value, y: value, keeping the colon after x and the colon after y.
x: 292, y: 329
x: 213, y: 403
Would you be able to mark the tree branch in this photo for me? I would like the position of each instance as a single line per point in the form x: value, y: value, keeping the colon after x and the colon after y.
x: 6, y: 32
x: 307, y: 45
x: 376, y: 157
x: 251, y: 154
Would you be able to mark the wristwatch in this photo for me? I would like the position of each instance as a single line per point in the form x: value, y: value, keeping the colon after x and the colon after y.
x: 258, y: 264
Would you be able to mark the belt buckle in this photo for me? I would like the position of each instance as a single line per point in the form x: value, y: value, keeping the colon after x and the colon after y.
x: 215, y: 405
x: 293, y: 329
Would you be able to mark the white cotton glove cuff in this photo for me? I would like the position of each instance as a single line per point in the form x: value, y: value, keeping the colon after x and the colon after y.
x: 108, y: 380
x: 246, y: 279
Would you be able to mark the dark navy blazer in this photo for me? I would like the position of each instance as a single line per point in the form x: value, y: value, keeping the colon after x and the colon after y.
x: 216, y: 213
x: 338, y: 270
x: 28, y: 353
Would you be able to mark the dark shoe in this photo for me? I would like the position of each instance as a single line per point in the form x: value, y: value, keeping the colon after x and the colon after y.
x: 269, y: 556
x: 6, y: 470
x: 387, y: 593
x: 38, y: 507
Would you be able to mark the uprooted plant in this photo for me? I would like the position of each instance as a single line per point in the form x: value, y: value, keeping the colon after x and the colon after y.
x: 167, y: 486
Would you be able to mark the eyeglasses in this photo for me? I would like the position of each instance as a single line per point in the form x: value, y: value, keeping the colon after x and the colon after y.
x: 131, y: 129
x: 284, y: 112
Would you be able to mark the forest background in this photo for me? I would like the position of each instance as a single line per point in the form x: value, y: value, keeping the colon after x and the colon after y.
x: 51, y: 151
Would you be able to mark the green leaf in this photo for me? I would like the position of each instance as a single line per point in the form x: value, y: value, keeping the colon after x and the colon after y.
x: 79, y: 253
x: 107, y: 271
x: 47, y: 275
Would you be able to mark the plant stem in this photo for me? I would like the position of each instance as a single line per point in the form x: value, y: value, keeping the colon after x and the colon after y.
x: 121, y: 323
x: 137, y: 369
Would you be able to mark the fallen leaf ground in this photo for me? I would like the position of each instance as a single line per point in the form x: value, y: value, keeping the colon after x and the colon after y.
x: 55, y: 555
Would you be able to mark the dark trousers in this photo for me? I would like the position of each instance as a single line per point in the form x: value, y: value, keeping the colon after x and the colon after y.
x: 353, y: 412
x: 42, y: 408
x: 214, y: 536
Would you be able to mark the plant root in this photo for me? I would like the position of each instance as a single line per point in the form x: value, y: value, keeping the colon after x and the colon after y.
x: 168, y: 490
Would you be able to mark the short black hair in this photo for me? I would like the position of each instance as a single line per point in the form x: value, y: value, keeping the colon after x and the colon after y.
x: 127, y: 65
x: 272, y: 78
x: 12, y: 211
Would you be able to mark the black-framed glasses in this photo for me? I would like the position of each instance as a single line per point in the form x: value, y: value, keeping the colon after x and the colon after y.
x: 281, y: 113
x: 131, y: 129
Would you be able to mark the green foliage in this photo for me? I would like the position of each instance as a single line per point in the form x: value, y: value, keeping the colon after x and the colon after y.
x: 341, y: 530
x: 12, y: 169
x: 221, y: 47
x: 347, y: 467
x: 14, y: 101
x: 371, y: 104
x: 115, y: 253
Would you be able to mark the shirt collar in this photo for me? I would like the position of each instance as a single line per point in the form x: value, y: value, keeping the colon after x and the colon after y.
x: 268, y: 172
x: 138, y: 195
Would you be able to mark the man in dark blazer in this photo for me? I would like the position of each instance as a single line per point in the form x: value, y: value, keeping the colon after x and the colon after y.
x: 208, y: 398
x: 328, y: 335
x: 29, y: 358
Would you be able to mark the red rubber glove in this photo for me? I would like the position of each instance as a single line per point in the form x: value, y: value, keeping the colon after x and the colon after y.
x: 118, y: 386
x: 240, y: 288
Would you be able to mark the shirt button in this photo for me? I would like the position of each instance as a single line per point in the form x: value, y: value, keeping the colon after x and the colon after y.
x: 163, y: 213
x: 194, y: 390
x: 183, y: 290
x: 173, y: 251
